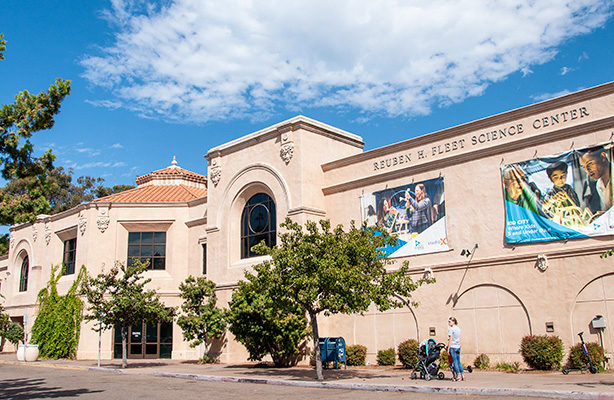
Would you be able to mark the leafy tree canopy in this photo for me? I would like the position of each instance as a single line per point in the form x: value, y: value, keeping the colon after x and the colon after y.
x: 264, y: 322
x: 201, y: 319
x: 331, y: 271
x: 119, y: 298
x: 29, y: 113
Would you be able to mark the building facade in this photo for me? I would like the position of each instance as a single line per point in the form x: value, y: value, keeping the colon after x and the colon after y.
x: 478, y: 206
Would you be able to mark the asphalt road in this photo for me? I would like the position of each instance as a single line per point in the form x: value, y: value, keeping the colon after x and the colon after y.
x: 30, y: 382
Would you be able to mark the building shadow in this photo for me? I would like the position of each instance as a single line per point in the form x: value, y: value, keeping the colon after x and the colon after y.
x: 35, y: 388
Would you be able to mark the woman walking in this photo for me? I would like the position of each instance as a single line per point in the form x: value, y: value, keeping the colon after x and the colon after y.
x: 454, y: 348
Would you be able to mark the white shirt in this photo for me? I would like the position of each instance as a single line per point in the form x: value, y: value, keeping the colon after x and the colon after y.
x: 455, y: 332
x: 605, y: 193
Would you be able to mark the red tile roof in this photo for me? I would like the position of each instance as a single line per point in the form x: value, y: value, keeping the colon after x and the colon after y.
x: 155, y: 194
x: 172, y: 172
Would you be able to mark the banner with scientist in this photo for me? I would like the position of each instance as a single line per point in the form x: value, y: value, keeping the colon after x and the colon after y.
x: 414, y: 214
x: 563, y: 196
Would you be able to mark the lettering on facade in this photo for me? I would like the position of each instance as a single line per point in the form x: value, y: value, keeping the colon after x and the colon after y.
x: 482, y: 138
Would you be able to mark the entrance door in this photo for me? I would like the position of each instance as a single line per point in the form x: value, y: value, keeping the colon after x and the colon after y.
x: 146, y: 340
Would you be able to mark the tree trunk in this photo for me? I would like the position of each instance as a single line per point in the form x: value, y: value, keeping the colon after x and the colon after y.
x: 124, y: 346
x: 316, y: 345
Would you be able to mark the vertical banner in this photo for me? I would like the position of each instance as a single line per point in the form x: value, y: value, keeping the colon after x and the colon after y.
x: 559, y: 197
x: 414, y: 214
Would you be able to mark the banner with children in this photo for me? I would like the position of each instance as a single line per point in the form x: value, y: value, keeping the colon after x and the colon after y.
x: 413, y: 213
x: 559, y: 197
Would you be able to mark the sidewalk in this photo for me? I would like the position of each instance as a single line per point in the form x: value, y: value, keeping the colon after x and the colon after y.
x: 576, y: 385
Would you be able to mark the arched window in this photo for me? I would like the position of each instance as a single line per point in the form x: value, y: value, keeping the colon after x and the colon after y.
x: 258, y: 223
x: 25, y: 268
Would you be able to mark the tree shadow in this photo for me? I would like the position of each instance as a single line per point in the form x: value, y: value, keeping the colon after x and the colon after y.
x: 34, y: 388
x: 134, y: 365
x: 309, y: 374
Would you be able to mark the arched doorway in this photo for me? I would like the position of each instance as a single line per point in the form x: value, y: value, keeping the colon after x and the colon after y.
x: 493, y: 321
x: 596, y: 298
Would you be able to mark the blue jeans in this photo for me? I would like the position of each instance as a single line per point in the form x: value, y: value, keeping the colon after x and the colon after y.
x: 455, y: 353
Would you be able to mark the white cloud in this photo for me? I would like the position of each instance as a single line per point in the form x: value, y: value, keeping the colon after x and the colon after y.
x: 112, y: 105
x: 566, y: 70
x: 200, y: 60
x: 583, y: 56
x: 96, y: 164
x: 526, y: 71
x: 117, y: 146
x: 548, y: 96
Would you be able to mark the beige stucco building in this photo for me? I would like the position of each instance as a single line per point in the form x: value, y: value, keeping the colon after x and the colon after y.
x: 498, y: 289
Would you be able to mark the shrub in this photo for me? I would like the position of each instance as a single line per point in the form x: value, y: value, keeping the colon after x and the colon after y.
x: 443, y: 360
x: 356, y: 354
x: 408, y: 353
x: 482, y: 361
x: 542, y: 352
x: 507, y: 367
x: 577, y: 358
x: 386, y: 357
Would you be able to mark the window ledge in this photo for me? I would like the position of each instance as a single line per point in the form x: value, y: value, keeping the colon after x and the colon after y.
x: 248, y: 262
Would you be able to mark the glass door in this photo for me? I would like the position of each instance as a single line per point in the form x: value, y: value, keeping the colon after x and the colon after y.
x: 146, y: 340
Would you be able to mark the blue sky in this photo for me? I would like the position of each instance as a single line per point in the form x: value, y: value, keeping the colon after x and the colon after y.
x: 155, y: 79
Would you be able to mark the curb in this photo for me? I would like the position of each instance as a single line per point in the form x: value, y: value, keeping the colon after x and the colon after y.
x: 555, y: 394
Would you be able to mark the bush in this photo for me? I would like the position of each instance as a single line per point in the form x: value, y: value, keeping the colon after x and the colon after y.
x: 542, y: 352
x: 507, y: 367
x: 386, y: 357
x: 482, y: 361
x: 356, y: 354
x: 408, y: 353
x: 13, y: 333
x: 577, y: 359
x: 443, y: 360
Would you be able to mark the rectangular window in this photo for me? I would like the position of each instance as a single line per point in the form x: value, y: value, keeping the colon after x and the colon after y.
x: 204, y: 258
x: 146, y: 246
x: 70, y: 252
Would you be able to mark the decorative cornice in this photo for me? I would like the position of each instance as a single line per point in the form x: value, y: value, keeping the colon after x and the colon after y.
x: 196, y: 222
x: 292, y: 124
x: 436, y: 165
x: 212, y: 229
x: 511, y: 259
x: 508, y: 116
x: 307, y: 210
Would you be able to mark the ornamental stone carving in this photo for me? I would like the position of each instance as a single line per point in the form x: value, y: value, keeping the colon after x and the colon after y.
x: 215, y: 172
x: 34, y: 233
x: 287, y: 151
x: 82, y: 223
x: 287, y: 147
x: 11, y: 242
x: 103, y: 220
x: 47, y: 233
x: 542, y: 262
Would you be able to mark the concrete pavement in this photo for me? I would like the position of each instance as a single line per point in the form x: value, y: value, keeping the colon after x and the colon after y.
x: 538, y: 384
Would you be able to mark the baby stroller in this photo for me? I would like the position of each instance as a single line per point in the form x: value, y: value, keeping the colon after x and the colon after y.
x: 428, y: 357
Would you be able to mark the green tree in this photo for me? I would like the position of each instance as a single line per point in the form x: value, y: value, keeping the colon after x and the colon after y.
x: 103, y: 191
x: 58, y: 322
x: 29, y: 113
x: 9, y: 330
x: 119, y: 298
x: 265, y: 322
x: 201, y: 319
x: 334, y: 271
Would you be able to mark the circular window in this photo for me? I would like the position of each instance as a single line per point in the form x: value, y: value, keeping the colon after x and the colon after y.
x: 259, y: 218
